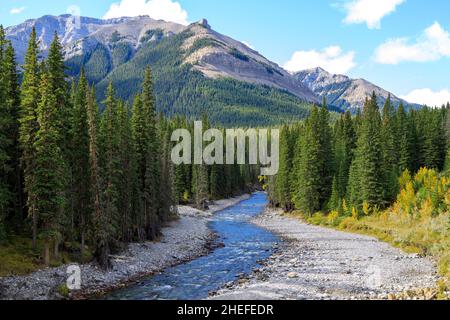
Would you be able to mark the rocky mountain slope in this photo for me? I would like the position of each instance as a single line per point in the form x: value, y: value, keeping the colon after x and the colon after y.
x: 343, y: 92
x: 196, y: 69
x: 80, y: 35
x: 222, y: 56
x: 211, y: 53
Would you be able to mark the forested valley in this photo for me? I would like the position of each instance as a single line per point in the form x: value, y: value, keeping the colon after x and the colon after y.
x: 77, y: 184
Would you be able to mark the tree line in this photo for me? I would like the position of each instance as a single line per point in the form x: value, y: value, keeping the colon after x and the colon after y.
x: 353, y: 166
x: 74, y: 179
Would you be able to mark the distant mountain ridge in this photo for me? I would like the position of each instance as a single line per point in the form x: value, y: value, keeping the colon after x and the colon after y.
x: 343, y: 92
x: 196, y: 69
x: 77, y: 32
x: 210, y: 52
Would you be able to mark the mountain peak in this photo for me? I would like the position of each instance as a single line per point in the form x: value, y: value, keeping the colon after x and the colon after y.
x: 319, y: 70
x: 343, y: 92
x: 204, y: 23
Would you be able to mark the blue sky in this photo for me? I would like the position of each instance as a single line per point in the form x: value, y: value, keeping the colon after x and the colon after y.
x: 401, y: 45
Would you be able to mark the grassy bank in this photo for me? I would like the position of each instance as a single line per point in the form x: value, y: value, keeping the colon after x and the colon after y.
x: 18, y: 258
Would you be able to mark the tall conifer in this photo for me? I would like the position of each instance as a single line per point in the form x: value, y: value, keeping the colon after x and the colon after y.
x: 29, y: 126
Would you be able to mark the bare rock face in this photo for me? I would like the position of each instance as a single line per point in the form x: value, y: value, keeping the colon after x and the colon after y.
x: 343, y: 92
x: 222, y: 56
x: 80, y: 34
x: 205, y: 23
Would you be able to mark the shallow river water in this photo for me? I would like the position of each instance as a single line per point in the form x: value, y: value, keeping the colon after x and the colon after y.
x: 245, y: 245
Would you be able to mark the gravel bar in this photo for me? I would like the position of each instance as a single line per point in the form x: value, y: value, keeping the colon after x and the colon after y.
x: 316, y: 263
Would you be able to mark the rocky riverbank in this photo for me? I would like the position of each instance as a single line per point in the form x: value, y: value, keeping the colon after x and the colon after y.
x: 319, y: 263
x: 183, y: 240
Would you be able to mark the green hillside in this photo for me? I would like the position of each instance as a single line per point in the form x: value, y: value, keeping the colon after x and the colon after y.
x: 181, y: 90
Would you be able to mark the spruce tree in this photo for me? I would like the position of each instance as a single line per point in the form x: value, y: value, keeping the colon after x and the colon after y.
x: 389, y: 151
x: 110, y: 162
x: 325, y: 154
x: 167, y: 175
x: 100, y: 220
x: 79, y: 155
x: 342, y: 160
x: 5, y: 140
x: 200, y: 177
x: 403, y: 132
x: 29, y: 126
x: 283, y: 187
x: 147, y: 157
x: 127, y: 172
x: 12, y: 100
x: 366, y: 182
x: 139, y: 136
x: 181, y: 188
x: 48, y: 185
x: 434, y: 140
x: 447, y: 130
x: 308, y: 184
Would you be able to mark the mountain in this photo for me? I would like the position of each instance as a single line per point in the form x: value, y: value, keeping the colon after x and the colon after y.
x: 79, y: 35
x: 196, y: 69
x: 343, y: 92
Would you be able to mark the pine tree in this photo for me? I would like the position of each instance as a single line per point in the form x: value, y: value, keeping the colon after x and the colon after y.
x: 57, y: 79
x: 447, y: 130
x: 139, y: 136
x: 127, y: 172
x: 335, y: 198
x: 390, y: 156
x: 434, y: 140
x: 325, y: 154
x: 404, y: 141
x: 307, y: 189
x: 5, y: 141
x: 181, y: 185
x: 100, y: 220
x: 29, y: 126
x: 147, y: 153
x: 283, y: 187
x: 167, y: 174
x: 12, y: 99
x: 48, y: 184
x: 79, y: 155
x: 341, y: 164
x: 366, y: 182
x: 109, y: 143
x: 200, y: 177
x: 200, y: 185
x: 214, y: 182
x: 56, y: 71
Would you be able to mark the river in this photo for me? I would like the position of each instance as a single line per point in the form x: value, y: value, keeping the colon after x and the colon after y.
x: 244, y: 246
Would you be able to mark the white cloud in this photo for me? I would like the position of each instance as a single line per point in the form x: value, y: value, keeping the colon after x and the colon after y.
x: 428, y: 97
x: 331, y: 59
x: 369, y: 11
x: 17, y: 10
x: 432, y: 45
x: 156, y: 9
